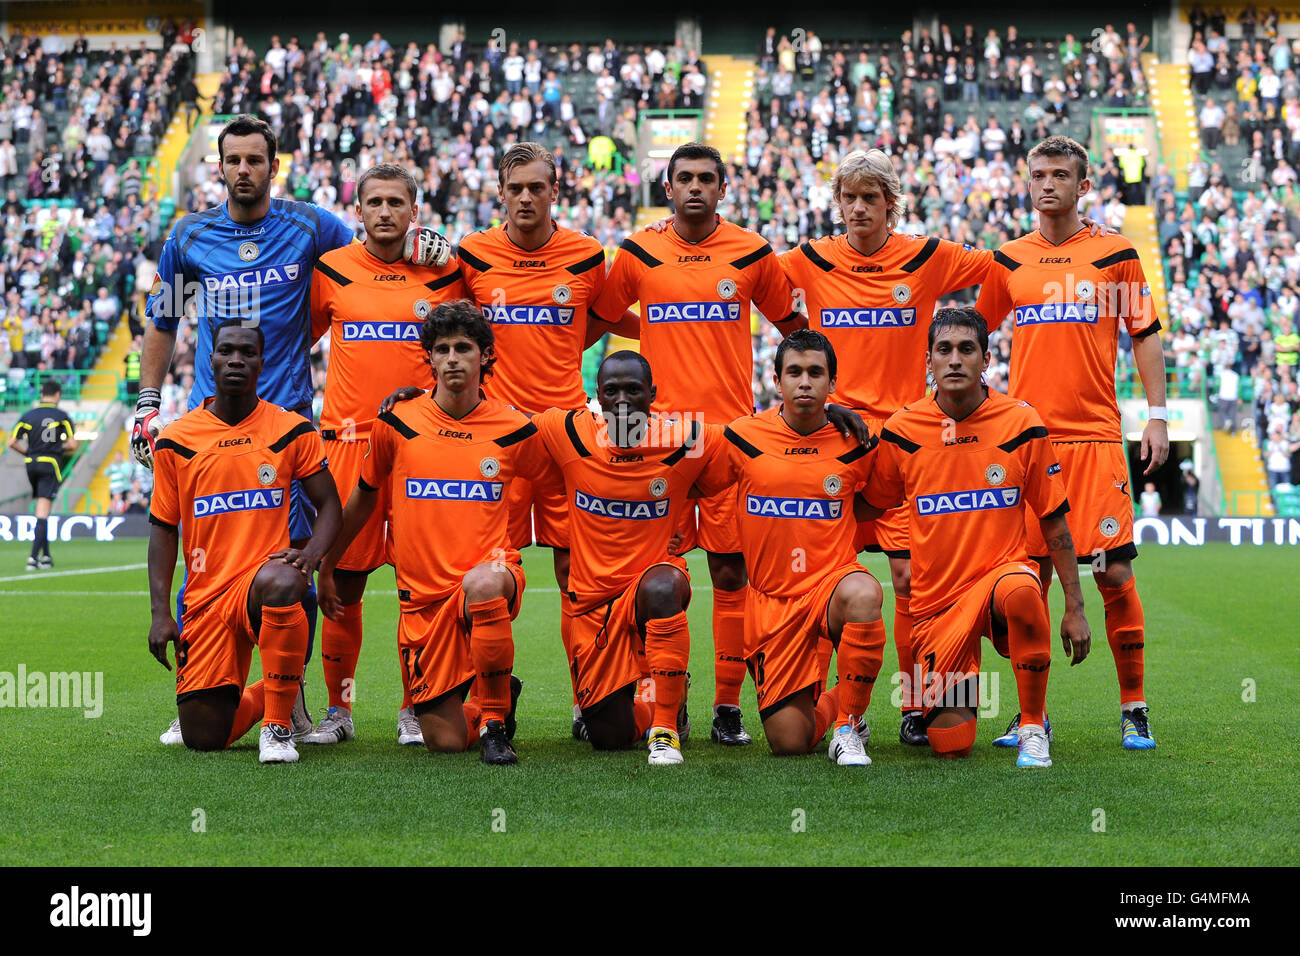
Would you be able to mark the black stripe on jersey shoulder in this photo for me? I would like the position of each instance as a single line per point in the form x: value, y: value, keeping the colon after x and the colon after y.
x: 332, y: 273
x: 193, y: 225
x: 403, y: 429
x: 894, y: 438
x: 815, y: 257
x: 586, y: 265
x: 527, y: 430
x: 1151, y: 329
x: 1029, y: 434
x: 474, y: 261
x: 162, y: 524
x: 922, y: 257
x: 1059, y: 512
x: 649, y: 260
x: 686, y: 445
x: 1004, y: 260
x: 281, y: 443
x: 167, y: 443
x: 849, y: 457
x: 281, y: 210
x: 744, y: 262
x: 740, y: 443
x: 1115, y: 258
x: 572, y: 431
x: 435, y: 284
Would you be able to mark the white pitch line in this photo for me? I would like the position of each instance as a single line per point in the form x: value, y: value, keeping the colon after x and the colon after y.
x: 42, y: 575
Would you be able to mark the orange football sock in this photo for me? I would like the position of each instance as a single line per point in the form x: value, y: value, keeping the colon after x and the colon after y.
x: 251, y: 705
x: 492, y: 649
x: 340, y: 648
x: 861, y: 652
x: 667, y: 651
x: 729, y: 645
x: 952, y: 741
x: 1126, y: 633
x: 1029, y: 642
x: 473, y: 720
x: 903, y: 645
x: 283, y: 644
x: 824, y: 711
x: 825, y: 650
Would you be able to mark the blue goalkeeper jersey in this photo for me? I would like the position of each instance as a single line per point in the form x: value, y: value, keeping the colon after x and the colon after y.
x: 259, y: 271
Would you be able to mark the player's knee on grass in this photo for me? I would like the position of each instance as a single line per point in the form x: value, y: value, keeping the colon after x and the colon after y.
x: 207, y: 717
x: 857, y: 598
x: 663, y: 593
x: 611, y: 723
x: 442, y: 722
x: 790, y: 729
x: 951, y: 731
x: 278, y: 585
x: 900, y: 575
x: 487, y: 582
x: 727, y: 571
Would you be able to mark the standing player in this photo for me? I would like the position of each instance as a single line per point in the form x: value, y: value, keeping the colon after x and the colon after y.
x: 972, y: 467
x: 373, y: 303
x: 796, y: 477
x: 627, y: 479
x: 1068, y: 293
x: 221, y: 489
x: 695, y: 280
x: 451, y: 456
x: 44, y: 436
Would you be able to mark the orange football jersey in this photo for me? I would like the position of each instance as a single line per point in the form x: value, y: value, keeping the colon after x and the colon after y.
x: 537, y: 301
x: 795, y: 498
x: 695, y: 313
x: 373, y: 311
x: 1067, y: 302
x: 876, y: 309
x: 227, y: 487
x: 967, y: 485
x: 624, y: 503
x: 449, y: 482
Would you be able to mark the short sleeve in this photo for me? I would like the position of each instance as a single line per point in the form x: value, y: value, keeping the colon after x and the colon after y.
x: 720, y: 470
x: 308, y: 454
x: 1139, y: 313
x: 994, y: 302
x: 377, y: 464
x: 620, y: 289
x: 773, y: 293
x: 166, y: 293
x: 966, y: 266
x: 885, y: 488
x: 164, y: 505
x: 334, y: 232
x: 1044, y: 488
x: 552, y: 436
x: 322, y: 294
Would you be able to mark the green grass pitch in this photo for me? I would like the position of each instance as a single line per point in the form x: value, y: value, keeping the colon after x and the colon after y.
x: 1218, y: 790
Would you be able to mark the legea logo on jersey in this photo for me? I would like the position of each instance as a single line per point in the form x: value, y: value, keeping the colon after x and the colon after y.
x: 254, y: 499
x: 1048, y: 312
x: 453, y: 489
x: 815, y: 508
x: 527, y: 314
x: 853, y: 318
x: 249, y: 278
x: 693, y: 312
x: 620, y: 508
x: 955, y: 502
x: 381, y: 331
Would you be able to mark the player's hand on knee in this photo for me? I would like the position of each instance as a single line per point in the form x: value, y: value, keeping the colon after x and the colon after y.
x: 147, y: 425
x: 301, y: 560
x: 424, y: 247
x: 1076, y: 636
x: 162, y: 632
x: 403, y: 394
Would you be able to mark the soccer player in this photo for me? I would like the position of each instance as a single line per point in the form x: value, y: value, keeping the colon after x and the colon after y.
x: 972, y: 465
x: 627, y: 479
x: 373, y: 303
x: 796, y: 477
x: 221, y: 489
x: 1068, y: 292
x: 451, y: 456
x: 44, y: 436
x: 695, y: 280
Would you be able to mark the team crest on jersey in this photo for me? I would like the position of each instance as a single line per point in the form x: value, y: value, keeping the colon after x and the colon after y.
x: 157, y: 286
x: 1085, y: 289
x: 422, y: 308
x: 726, y: 288
x: 266, y: 474
x: 248, y: 251
x: 561, y: 295
x: 995, y: 474
x: 1109, y: 526
x: 659, y: 487
x: 902, y: 293
x: 489, y: 467
x: 832, y: 484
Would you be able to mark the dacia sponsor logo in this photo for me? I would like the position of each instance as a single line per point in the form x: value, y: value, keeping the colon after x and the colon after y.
x: 620, y: 508
x: 822, y: 509
x: 254, y: 499
x: 693, y: 312
x: 381, y: 331
x: 527, y: 314
x: 954, y: 502
x: 853, y: 318
x: 1085, y: 312
x: 453, y: 489
x: 252, y: 278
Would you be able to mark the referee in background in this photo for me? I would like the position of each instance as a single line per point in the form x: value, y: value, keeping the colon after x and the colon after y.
x: 44, y: 435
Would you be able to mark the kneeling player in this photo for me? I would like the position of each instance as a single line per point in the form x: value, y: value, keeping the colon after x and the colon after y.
x: 627, y: 477
x: 451, y: 455
x: 969, y: 462
x: 796, y: 477
x: 221, y: 485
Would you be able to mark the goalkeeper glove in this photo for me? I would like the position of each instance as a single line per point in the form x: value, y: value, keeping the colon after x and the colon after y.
x: 424, y: 247
x: 144, y: 433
